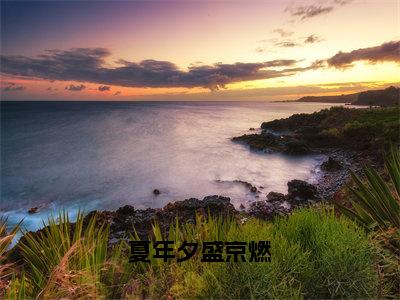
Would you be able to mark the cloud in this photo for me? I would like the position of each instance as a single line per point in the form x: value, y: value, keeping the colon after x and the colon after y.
x: 283, y: 33
x: 75, y: 88
x: 12, y: 87
x: 87, y: 65
x: 389, y: 51
x: 287, y: 44
x: 104, y: 88
x: 117, y: 93
x: 313, y: 10
x: 313, y: 39
x: 309, y: 11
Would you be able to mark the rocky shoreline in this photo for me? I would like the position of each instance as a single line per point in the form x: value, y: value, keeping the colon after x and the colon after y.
x: 297, y: 135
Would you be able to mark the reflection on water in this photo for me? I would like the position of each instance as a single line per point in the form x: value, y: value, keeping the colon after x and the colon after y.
x: 104, y: 155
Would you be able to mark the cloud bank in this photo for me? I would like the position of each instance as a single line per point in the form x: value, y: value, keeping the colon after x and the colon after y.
x: 389, y: 51
x: 87, y: 65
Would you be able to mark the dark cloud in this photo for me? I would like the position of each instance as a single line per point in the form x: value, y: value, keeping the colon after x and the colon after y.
x: 117, y: 93
x: 313, y: 39
x: 75, y: 88
x: 386, y: 52
x: 104, y: 88
x: 12, y: 87
x: 87, y: 65
x: 283, y: 33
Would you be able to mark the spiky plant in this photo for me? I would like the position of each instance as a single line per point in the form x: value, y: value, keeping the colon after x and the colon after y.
x: 376, y: 203
x: 65, y: 259
x: 6, y: 238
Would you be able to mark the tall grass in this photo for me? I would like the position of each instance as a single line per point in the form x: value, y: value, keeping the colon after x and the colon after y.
x: 314, y: 254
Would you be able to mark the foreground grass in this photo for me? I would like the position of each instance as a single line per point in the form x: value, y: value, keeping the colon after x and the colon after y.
x: 314, y: 254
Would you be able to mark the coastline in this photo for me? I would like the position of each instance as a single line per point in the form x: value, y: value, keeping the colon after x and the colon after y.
x: 276, y: 136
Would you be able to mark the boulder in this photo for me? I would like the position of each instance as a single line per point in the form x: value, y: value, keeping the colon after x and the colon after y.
x: 331, y: 165
x: 274, y: 196
x: 156, y: 192
x: 299, y: 190
x: 125, y: 210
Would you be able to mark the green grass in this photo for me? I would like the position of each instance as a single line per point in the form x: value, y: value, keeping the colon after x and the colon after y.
x: 314, y: 254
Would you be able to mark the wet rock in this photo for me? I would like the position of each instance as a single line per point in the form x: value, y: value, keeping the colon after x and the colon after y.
x: 299, y: 190
x: 274, y: 196
x: 33, y: 210
x: 251, y: 187
x: 331, y: 165
x: 156, y: 192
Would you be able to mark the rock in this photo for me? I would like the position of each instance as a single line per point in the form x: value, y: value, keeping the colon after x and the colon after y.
x: 156, y: 192
x: 295, y: 147
x: 331, y: 165
x: 252, y: 129
x: 125, y: 210
x: 274, y: 196
x: 268, y: 210
x: 251, y: 187
x: 300, y: 190
x: 33, y: 210
x: 241, y: 207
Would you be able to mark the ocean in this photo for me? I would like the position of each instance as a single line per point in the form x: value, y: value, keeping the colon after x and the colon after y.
x: 102, y: 155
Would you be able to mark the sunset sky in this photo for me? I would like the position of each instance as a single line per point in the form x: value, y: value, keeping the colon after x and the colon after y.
x: 205, y: 50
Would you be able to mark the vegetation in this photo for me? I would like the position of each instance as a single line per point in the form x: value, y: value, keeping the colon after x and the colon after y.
x: 372, y: 128
x: 314, y: 254
x: 377, y: 203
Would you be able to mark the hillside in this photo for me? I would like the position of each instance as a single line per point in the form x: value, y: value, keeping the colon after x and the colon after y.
x: 385, y: 97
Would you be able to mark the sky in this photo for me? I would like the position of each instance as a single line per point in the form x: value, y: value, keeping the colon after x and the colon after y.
x: 197, y: 50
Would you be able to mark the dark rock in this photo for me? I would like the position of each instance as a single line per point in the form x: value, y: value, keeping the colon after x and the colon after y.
x: 156, y: 192
x: 33, y: 210
x: 262, y: 142
x: 301, y: 190
x: 252, y: 129
x: 295, y: 147
x: 331, y: 165
x: 274, y: 196
x: 126, y: 210
x: 241, y: 207
x: 268, y: 210
x: 251, y: 187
